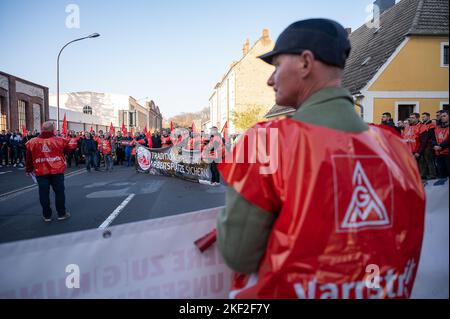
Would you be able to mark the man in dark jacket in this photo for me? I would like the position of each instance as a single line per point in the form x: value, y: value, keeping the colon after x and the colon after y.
x: 89, y: 149
x: 427, y: 161
x: 156, y: 140
x: 386, y: 119
x: 3, y: 148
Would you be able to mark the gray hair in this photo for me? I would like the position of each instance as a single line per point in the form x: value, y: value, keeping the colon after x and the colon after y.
x: 48, y: 127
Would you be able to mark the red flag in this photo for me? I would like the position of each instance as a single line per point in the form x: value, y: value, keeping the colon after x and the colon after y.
x: 124, y: 129
x: 225, y: 131
x: 111, y: 129
x: 132, y: 132
x: 24, y: 130
x: 145, y: 130
x: 64, y: 126
x: 193, y: 127
x: 171, y: 126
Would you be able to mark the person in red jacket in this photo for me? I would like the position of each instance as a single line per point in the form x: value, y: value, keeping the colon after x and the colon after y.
x: 106, y: 149
x: 412, y: 134
x: 73, y: 149
x: 165, y: 139
x: 440, y: 145
x: 45, y: 159
x: 318, y: 202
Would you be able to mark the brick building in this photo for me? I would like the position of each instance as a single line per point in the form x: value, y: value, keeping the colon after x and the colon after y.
x: 22, y: 103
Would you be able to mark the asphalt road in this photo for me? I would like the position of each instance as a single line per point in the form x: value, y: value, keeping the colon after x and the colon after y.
x: 92, y: 197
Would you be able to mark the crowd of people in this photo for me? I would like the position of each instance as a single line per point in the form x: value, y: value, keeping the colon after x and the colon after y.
x: 12, y: 147
x: 427, y: 139
x: 107, y: 149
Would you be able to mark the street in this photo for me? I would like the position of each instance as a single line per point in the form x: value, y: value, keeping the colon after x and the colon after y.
x: 98, y: 198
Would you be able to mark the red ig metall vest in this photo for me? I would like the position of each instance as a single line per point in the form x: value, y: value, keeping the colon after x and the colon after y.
x: 347, y: 205
x: 106, y: 146
x: 48, y: 155
x: 73, y: 143
x: 441, y: 134
x: 165, y: 141
x: 411, y: 135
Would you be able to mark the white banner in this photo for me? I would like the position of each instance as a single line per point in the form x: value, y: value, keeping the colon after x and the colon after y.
x: 149, y: 259
x: 157, y: 259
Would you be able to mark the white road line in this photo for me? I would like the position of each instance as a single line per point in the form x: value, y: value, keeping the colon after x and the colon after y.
x: 116, y: 212
x: 28, y: 188
x: 1, y: 173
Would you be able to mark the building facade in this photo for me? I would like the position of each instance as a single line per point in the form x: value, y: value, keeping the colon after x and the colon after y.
x: 243, y: 85
x: 103, y: 109
x: 22, y: 103
x: 399, y: 66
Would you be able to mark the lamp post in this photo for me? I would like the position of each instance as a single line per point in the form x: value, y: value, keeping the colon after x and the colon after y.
x: 93, y: 35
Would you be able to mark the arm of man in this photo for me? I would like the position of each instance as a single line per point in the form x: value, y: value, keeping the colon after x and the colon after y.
x: 252, y: 206
x: 243, y: 230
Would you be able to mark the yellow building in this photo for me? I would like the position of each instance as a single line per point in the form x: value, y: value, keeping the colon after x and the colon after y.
x: 244, y: 85
x: 400, y: 65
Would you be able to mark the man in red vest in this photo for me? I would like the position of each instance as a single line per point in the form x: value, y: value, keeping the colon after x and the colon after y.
x: 319, y: 204
x: 412, y: 134
x: 73, y: 149
x: 165, y: 139
x: 45, y: 158
x: 440, y: 145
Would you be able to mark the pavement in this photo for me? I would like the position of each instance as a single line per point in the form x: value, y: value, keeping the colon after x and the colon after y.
x: 92, y: 198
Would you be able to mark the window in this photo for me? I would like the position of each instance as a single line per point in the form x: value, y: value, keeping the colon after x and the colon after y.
x: 87, y: 109
x: 444, y: 54
x: 22, y: 115
x: 404, y: 109
x: 2, y: 113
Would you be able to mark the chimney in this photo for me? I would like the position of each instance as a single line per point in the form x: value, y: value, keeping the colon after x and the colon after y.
x: 246, y: 47
x: 349, y: 30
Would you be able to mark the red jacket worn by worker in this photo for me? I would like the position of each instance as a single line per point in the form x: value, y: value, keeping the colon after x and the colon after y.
x: 344, y: 202
x: 106, y: 146
x: 165, y: 141
x: 411, y: 135
x: 45, y: 154
x: 441, y: 134
x: 73, y: 143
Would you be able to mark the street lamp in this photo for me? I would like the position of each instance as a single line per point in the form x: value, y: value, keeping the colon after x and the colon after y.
x: 93, y: 35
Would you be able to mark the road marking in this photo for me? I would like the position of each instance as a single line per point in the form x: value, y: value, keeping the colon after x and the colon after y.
x: 1, y: 173
x: 28, y: 188
x: 116, y: 212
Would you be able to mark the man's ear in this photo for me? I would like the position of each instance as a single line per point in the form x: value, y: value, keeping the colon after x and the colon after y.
x: 306, y: 62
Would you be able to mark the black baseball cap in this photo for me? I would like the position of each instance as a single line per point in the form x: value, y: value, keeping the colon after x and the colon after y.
x: 327, y: 39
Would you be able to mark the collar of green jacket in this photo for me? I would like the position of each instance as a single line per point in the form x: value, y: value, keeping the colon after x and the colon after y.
x: 331, y: 107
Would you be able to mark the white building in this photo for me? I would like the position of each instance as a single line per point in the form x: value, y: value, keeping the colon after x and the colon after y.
x: 102, y: 109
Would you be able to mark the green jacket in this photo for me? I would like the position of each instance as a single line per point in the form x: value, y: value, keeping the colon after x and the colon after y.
x: 244, y: 228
